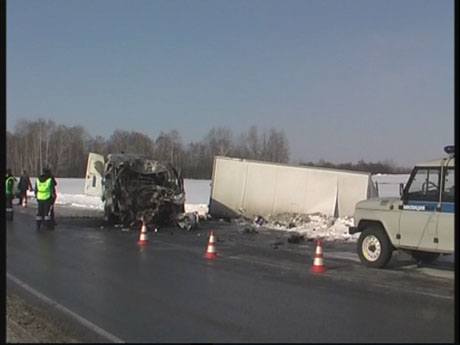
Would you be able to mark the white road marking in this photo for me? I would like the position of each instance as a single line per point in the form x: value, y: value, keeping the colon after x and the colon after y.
x: 70, y: 313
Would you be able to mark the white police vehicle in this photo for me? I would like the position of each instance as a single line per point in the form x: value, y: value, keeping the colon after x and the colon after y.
x: 420, y: 222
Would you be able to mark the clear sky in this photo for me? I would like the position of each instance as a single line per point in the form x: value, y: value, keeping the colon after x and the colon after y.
x: 345, y: 79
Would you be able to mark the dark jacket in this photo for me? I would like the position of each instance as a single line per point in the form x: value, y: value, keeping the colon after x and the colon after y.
x: 54, y: 185
x: 24, y: 183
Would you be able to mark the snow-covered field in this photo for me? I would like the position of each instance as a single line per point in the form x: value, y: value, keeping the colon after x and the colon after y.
x: 70, y: 191
x: 388, y: 185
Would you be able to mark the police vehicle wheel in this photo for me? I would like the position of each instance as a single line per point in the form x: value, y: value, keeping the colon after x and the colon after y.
x: 374, y: 248
x: 424, y: 257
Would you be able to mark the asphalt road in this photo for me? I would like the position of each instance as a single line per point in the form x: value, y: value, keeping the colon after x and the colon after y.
x: 259, y: 289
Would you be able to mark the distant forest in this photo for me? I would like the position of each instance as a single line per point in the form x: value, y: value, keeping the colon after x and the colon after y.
x: 385, y: 167
x: 37, y: 144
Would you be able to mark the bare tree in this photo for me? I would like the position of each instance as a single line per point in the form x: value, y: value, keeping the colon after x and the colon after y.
x: 168, y: 148
x: 276, y: 147
x: 249, y: 145
x: 196, y: 161
x: 35, y: 144
x: 219, y: 141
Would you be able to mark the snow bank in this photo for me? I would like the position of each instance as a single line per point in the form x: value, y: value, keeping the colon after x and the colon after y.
x: 311, y: 226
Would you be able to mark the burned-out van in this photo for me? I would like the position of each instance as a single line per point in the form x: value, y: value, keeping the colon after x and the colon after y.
x: 135, y: 188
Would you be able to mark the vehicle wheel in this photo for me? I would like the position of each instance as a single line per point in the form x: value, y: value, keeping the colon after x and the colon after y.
x: 110, y: 218
x: 374, y: 247
x: 424, y: 257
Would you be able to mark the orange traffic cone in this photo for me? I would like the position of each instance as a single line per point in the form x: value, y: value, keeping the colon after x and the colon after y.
x: 318, y: 264
x: 143, y: 235
x: 211, y: 250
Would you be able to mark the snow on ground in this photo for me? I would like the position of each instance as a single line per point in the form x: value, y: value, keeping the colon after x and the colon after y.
x: 70, y: 191
x: 313, y: 226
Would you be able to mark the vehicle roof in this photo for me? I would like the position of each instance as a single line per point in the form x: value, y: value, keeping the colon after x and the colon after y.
x: 126, y: 156
x: 139, y: 162
x: 437, y: 162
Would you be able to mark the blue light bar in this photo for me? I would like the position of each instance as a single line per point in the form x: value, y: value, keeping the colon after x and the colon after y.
x: 449, y: 149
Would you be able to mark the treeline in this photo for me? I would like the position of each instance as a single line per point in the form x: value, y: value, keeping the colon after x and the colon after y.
x: 385, y: 167
x: 36, y: 144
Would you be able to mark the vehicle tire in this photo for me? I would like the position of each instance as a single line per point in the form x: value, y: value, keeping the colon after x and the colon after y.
x: 110, y: 218
x: 374, y: 247
x: 424, y: 257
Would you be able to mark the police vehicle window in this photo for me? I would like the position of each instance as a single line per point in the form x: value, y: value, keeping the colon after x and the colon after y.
x: 425, y: 185
x: 449, y: 186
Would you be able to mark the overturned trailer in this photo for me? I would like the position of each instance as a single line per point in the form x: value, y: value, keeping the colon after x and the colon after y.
x: 252, y: 188
x: 136, y: 188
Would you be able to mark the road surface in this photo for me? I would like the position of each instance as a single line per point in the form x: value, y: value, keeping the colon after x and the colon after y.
x: 259, y: 289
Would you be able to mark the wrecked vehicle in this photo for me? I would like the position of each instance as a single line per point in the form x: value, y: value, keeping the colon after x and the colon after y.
x: 136, y: 188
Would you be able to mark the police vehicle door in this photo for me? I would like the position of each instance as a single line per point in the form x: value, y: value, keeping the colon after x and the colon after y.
x: 446, y: 212
x: 418, y: 221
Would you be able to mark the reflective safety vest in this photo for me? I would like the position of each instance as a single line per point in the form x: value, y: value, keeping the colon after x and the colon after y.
x: 9, y: 186
x: 44, y: 189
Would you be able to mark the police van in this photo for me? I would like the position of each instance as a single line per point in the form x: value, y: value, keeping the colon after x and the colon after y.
x: 420, y: 222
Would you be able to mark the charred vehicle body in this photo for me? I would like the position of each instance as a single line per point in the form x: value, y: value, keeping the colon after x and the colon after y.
x: 136, y: 188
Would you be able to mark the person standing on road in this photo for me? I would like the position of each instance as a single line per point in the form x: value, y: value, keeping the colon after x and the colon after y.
x: 24, y: 185
x: 54, y: 195
x: 44, y: 192
x: 9, y: 188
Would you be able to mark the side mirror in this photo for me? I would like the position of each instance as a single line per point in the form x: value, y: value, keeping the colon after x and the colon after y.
x: 401, y: 189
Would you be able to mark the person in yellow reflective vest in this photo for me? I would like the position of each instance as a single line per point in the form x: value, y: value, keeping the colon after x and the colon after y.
x: 44, y: 192
x: 9, y: 189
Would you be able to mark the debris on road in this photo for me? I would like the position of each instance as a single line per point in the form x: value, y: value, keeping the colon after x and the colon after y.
x: 259, y: 221
x: 296, y: 238
x: 276, y: 244
x: 188, y: 221
x: 310, y: 226
x: 248, y: 230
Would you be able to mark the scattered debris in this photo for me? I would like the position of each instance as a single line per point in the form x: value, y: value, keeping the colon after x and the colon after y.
x: 296, y: 238
x: 248, y: 230
x: 310, y: 226
x: 276, y: 244
x: 188, y: 221
x: 259, y: 220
